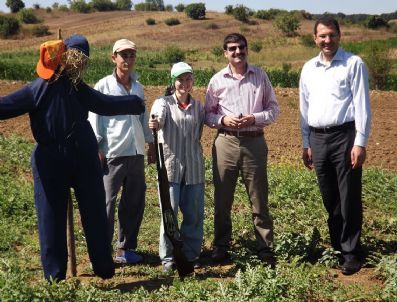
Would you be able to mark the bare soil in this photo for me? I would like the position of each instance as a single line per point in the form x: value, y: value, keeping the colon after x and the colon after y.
x: 283, y: 137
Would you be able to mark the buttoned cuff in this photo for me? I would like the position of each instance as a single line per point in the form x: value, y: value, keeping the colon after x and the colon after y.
x: 360, y: 140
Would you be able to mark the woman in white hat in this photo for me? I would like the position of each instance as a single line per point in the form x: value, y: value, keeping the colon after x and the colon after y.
x: 179, y: 120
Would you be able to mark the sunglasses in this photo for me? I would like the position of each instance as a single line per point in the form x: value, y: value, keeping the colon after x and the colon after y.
x: 234, y: 48
x: 127, y: 56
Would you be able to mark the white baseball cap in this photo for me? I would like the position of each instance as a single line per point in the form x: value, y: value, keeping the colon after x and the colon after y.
x: 123, y: 44
x: 178, y: 69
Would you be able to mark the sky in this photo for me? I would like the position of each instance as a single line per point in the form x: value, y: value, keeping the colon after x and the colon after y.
x: 312, y: 6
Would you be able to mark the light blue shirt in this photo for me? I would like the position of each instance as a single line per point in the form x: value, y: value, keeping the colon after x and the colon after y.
x: 121, y: 135
x: 335, y: 93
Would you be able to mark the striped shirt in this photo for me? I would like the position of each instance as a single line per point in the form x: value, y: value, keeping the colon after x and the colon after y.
x: 180, y: 132
x: 252, y: 94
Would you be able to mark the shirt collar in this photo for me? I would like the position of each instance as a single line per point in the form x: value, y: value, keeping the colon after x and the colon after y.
x: 133, y: 76
x: 227, y: 71
x: 337, y: 57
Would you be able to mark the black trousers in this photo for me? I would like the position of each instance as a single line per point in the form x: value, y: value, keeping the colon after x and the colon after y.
x: 340, y: 188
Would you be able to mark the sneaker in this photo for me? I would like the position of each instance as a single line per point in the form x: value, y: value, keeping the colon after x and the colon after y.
x: 168, y: 267
x: 127, y: 256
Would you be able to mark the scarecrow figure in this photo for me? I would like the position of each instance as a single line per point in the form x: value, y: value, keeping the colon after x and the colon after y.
x: 66, y: 154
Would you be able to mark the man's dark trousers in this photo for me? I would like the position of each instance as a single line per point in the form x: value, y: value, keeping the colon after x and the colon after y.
x: 340, y: 187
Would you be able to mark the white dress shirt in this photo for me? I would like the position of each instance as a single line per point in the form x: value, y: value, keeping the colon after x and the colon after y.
x: 335, y: 93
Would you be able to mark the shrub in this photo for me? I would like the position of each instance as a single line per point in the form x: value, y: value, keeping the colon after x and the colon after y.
x: 172, y: 21
x: 48, y: 9
x: 8, y: 26
x: 123, y: 4
x: 307, y: 40
x: 241, y: 13
x: 375, y: 22
x: 169, y: 8
x: 80, y: 6
x: 195, y: 11
x: 26, y: 15
x: 180, y: 7
x: 379, y: 65
x: 150, y: 21
x: 212, y: 25
x: 55, y: 5
x: 103, y: 5
x: 15, y: 5
x: 217, y: 51
x: 173, y: 54
x: 63, y: 8
x: 150, y: 5
x: 287, y: 24
x: 229, y: 9
x: 36, y: 6
x: 40, y: 31
x: 264, y: 15
x: 256, y: 46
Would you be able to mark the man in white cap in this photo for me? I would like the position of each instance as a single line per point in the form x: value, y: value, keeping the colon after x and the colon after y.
x: 121, y: 141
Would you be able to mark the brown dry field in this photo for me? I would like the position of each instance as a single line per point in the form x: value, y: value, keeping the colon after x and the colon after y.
x: 283, y: 137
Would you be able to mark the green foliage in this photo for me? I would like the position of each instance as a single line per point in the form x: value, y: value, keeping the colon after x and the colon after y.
x: 269, y: 14
x: 379, y: 65
x: 150, y: 5
x: 80, y: 6
x: 195, y: 11
x: 229, y: 9
x: 180, y: 7
x: 36, y: 6
x: 307, y: 40
x: 63, y: 8
x: 15, y: 5
x: 173, y: 54
x: 124, y: 4
x: 387, y: 268
x: 48, y: 9
x: 27, y: 15
x: 169, y: 8
x: 103, y: 5
x: 256, y: 46
x: 287, y: 24
x: 8, y: 26
x: 374, y: 22
x: 241, y: 13
x: 172, y: 21
x: 150, y: 21
x: 217, y: 51
x: 40, y: 31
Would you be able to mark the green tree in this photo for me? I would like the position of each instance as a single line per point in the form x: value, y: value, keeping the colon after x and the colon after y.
x: 80, y: 6
x: 15, y: 5
x: 229, y: 9
x: 180, y: 7
x: 103, y: 5
x: 27, y: 16
x: 123, y: 4
x: 8, y: 26
x: 195, y: 11
x: 287, y: 24
x: 241, y: 13
x: 375, y: 22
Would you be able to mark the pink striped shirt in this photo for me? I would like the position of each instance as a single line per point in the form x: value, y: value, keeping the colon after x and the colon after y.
x: 252, y: 94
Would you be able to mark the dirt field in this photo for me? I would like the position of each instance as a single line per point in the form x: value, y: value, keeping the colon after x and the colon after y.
x: 283, y: 137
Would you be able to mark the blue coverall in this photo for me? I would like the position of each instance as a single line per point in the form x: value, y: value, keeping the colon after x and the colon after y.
x: 66, y: 156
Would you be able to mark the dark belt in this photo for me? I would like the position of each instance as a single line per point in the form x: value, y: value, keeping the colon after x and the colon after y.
x: 241, y: 133
x: 331, y: 129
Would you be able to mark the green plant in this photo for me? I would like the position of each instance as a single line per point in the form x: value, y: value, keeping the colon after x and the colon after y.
x: 256, y: 45
x: 180, y: 7
x: 8, y: 26
x: 15, y: 5
x: 229, y: 9
x: 173, y: 54
x: 375, y: 22
x: 63, y: 8
x: 48, y: 9
x: 379, y: 65
x: 103, y: 5
x: 123, y: 4
x: 27, y: 15
x: 150, y: 21
x: 172, y: 21
x: 241, y: 13
x: 80, y: 6
x: 217, y: 51
x: 307, y: 40
x: 195, y: 11
x: 330, y: 257
x: 169, y: 8
x: 287, y: 23
x: 40, y: 31
x: 387, y: 268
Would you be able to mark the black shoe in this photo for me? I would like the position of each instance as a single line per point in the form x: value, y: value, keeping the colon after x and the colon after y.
x: 268, y: 259
x: 219, y: 254
x: 351, y: 267
x: 196, y: 264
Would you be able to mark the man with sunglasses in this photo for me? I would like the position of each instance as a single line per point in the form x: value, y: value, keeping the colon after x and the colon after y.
x: 240, y: 102
x: 335, y: 124
x: 121, y: 140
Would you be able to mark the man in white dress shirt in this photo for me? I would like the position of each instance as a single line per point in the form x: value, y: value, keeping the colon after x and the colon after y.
x: 121, y: 140
x: 335, y: 124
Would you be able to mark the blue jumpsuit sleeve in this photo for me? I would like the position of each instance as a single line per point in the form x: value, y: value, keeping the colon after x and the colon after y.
x: 103, y: 104
x: 17, y: 103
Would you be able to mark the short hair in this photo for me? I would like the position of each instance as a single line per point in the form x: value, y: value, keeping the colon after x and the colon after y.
x: 234, y: 38
x: 327, y: 21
